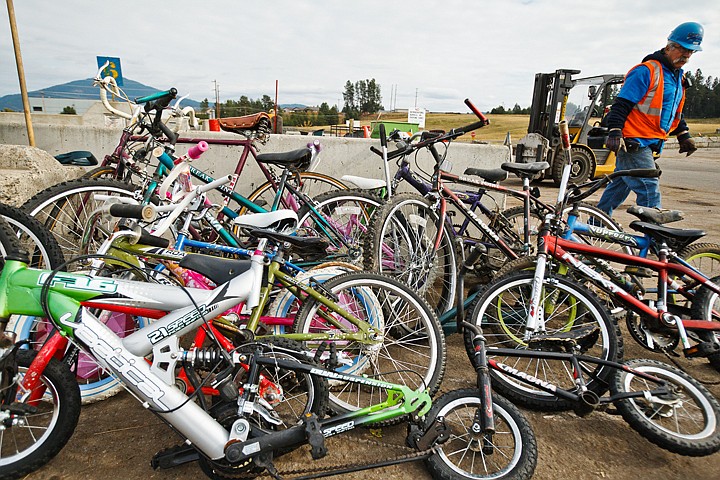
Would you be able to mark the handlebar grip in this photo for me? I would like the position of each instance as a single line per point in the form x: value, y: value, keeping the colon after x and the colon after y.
x: 383, y: 136
x: 376, y: 151
x: 146, y: 213
x: 471, y: 127
x: 477, y: 112
x: 152, y: 240
x: 637, y: 172
x: 169, y: 94
x: 198, y: 150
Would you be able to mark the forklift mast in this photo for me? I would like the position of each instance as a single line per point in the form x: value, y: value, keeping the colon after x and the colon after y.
x: 548, y: 105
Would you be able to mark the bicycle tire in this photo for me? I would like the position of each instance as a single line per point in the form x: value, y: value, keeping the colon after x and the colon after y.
x: 54, y: 422
x: 412, y: 351
x: 349, y: 212
x: 301, y: 394
x: 398, y: 244
x: 42, y: 247
x: 64, y: 208
x: 462, y: 455
x: 107, y: 172
x: 704, y: 257
x: 313, y: 184
x: 697, y: 411
x: 501, y: 309
x: 704, y: 303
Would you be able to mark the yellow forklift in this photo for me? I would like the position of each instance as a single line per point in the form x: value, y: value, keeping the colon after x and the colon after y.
x: 583, y: 102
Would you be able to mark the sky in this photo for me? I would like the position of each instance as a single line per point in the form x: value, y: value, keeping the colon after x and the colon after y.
x: 428, y: 54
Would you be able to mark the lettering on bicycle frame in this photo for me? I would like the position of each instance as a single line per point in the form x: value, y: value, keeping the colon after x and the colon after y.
x: 618, y: 237
x: 76, y: 282
x: 604, y: 282
x: 525, y: 376
x: 173, y: 328
x: 343, y: 427
x: 121, y: 364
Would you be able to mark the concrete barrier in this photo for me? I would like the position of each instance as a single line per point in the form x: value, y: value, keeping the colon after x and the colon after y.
x: 27, y: 170
x: 340, y: 156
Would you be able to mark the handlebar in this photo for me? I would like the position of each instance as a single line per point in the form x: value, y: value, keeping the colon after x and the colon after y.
x: 146, y: 213
x: 161, y: 98
x: 428, y: 138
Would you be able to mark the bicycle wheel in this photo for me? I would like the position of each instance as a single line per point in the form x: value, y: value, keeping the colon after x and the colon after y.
x: 686, y: 422
x: 501, y: 310
x: 291, y: 393
x: 33, y: 237
x: 343, y: 218
x: 704, y: 257
x: 65, y: 208
x: 286, y: 305
x: 400, y: 243
x: 287, y: 393
x: 409, y: 348
x: 311, y: 184
x: 705, y: 306
x: 33, y: 439
x: 514, y: 448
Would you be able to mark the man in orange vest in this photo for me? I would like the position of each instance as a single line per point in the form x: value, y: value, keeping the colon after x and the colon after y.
x: 647, y: 110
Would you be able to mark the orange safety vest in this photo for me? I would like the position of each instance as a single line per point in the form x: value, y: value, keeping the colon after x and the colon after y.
x: 644, y: 119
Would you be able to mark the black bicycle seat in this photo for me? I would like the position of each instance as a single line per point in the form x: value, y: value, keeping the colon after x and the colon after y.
x: 491, y: 175
x: 676, y: 238
x: 525, y: 169
x: 299, y: 158
x: 217, y: 269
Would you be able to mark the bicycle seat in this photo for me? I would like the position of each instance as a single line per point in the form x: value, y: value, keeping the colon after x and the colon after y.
x: 583, y: 337
x: 676, y: 238
x: 304, y: 246
x: 298, y: 159
x: 525, y: 170
x: 217, y: 269
x: 80, y: 158
x: 281, y: 221
x: 655, y: 215
x: 491, y: 175
x: 247, y: 122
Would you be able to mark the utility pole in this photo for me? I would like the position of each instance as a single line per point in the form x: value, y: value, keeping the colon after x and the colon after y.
x: 416, y: 94
x: 217, y: 99
x: 21, y: 73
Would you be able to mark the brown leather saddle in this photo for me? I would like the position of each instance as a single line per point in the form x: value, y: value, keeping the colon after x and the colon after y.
x: 256, y: 121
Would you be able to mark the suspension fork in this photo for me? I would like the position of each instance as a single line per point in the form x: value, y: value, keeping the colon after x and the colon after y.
x: 54, y: 347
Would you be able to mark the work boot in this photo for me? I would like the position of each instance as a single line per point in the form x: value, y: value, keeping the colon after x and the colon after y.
x: 658, y: 216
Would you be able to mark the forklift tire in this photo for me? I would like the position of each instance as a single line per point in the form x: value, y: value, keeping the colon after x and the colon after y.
x: 583, y: 166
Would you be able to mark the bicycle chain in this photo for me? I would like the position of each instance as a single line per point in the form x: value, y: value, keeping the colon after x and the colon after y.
x: 412, y: 454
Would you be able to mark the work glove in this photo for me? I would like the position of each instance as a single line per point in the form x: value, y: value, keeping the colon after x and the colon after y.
x: 687, y: 144
x: 615, y: 140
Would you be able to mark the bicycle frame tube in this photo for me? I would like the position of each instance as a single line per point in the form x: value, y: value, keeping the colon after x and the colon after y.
x: 575, y: 361
x: 560, y: 249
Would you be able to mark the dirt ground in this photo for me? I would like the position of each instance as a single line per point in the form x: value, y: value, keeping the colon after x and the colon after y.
x: 116, y: 438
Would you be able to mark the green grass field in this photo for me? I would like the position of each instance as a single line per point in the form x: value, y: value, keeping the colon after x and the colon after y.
x: 500, y: 125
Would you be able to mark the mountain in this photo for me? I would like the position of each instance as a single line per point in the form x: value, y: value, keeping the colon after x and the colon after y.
x: 83, y: 90
x: 292, y: 105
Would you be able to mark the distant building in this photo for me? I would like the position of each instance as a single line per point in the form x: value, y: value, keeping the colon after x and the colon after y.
x: 56, y: 105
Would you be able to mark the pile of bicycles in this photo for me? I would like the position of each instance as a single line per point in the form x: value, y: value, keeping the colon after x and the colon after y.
x: 256, y: 325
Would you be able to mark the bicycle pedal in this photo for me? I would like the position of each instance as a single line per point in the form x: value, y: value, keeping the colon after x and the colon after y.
x: 315, y: 437
x: 702, y: 350
x: 643, y: 272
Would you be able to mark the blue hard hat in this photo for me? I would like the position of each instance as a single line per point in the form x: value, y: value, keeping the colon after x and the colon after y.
x: 688, y: 35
